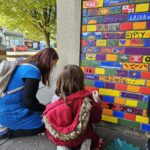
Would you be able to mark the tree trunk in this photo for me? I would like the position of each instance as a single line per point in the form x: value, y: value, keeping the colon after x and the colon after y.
x: 47, y: 38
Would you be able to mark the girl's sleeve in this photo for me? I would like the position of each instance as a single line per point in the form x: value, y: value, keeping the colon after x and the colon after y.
x: 96, y: 112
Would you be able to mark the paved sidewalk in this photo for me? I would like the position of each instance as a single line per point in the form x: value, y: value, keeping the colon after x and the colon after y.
x: 42, y: 143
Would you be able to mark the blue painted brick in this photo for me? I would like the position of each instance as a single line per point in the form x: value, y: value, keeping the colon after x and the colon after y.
x: 146, y: 98
x: 99, y: 84
x: 145, y: 127
x: 109, y: 99
x: 105, y: 64
x: 134, y: 74
x: 118, y: 114
x: 146, y: 42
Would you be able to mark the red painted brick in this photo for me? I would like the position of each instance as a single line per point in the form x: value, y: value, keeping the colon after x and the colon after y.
x: 126, y: 26
x: 129, y: 116
x: 146, y: 75
x: 89, y: 70
x: 145, y: 90
x: 90, y: 88
x: 122, y: 87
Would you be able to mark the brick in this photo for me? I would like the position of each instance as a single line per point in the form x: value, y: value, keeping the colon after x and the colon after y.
x: 122, y: 87
x: 145, y: 90
x: 109, y: 92
x: 108, y: 85
x: 126, y: 26
x: 101, y: 57
x: 90, y: 88
x: 122, y: 73
x: 132, y: 88
x: 90, y: 63
x: 100, y: 42
x: 91, y: 28
x: 107, y: 112
x: 138, y: 34
x: 146, y: 98
x: 99, y: 71
x: 116, y: 65
x: 130, y: 124
x: 137, y: 51
x: 144, y: 113
x: 111, y: 72
x: 135, y: 74
x: 92, y: 4
x: 132, y: 103
x: 148, y: 83
x: 145, y: 75
x: 89, y: 82
x: 83, y: 28
x: 105, y: 105
x: 111, y: 57
x: 142, y: 7
x: 146, y: 59
x: 132, y: 95
x: 139, y: 25
x: 119, y: 100
x: 137, y: 42
x: 124, y: 42
x: 118, y: 114
x: 108, y: 99
x: 90, y: 56
x: 99, y: 84
x: 135, y: 66
x: 91, y: 76
x: 142, y: 104
x: 136, y: 58
x: 142, y: 119
x: 145, y: 127
x: 89, y: 70
x: 129, y: 116
x: 123, y: 58
x: 109, y: 119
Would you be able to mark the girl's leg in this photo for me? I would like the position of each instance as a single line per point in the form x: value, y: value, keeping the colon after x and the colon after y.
x: 62, y: 148
x: 86, y: 145
x: 24, y: 133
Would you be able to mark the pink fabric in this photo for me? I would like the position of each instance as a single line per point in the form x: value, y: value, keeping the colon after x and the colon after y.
x: 64, y: 118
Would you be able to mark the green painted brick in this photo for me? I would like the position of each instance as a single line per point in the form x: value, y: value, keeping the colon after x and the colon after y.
x: 138, y: 1
x: 89, y: 82
x: 111, y: 72
x: 142, y: 104
x: 90, y: 63
x: 129, y: 124
x: 123, y: 58
x: 115, y: 10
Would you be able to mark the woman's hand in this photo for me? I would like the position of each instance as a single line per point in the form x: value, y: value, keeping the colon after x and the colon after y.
x: 96, y: 96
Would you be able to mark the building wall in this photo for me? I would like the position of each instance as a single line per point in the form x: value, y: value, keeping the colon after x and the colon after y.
x: 115, y: 57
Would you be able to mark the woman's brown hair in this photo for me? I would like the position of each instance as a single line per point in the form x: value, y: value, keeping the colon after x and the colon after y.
x: 44, y: 61
x: 69, y: 81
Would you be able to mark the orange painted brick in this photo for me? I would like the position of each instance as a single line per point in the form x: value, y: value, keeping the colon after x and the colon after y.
x: 119, y: 100
x: 148, y: 83
x: 144, y: 113
x: 105, y: 105
x: 111, y: 57
x: 107, y: 112
x: 132, y: 88
x: 82, y: 68
x: 83, y: 28
x: 129, y: 116
x: 90, y: 88
x: 139, y: 25
x: 145, y: 90
x: 122, y: 87
x: 145, y: 75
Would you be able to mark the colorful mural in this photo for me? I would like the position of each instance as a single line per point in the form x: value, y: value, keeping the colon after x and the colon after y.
x: 115, y: 58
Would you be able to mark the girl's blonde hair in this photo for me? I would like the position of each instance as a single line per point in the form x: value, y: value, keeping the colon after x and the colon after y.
x: 69, y: 81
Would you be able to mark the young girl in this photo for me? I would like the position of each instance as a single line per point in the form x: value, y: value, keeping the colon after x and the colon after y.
x: 69, y: 118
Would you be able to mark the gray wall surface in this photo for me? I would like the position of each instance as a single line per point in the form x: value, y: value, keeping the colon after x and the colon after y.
x: 68, y: 42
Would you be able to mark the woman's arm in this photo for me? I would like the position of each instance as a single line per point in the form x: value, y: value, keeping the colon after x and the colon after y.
x: 29, y: 98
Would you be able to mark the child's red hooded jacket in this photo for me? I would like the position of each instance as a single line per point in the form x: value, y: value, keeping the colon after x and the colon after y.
x: 71, y: 125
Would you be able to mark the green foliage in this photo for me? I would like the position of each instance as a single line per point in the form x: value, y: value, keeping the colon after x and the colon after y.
x: 35, y: 18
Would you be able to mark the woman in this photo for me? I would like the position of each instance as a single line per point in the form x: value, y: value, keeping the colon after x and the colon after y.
x: 21, y: 111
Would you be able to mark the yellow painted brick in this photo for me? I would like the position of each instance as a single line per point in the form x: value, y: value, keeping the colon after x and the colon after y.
x: 100, y: 42
x: 135, y: 66
x: 124, y: 42
x: 90, y: 56
x: 119, y: 100
x: 109, y: 119
x: 148, y: 83
x: 142, y: 7
x: 109, y: 92
x: 139, y: 34
x: 146, y: 59
x: 133, y: 81
x: 142, y: 119
x: 91, y: 27
x: 139, y: 25
x: 144, y: 113
x: 132, y: 88
x: 99, y: 71
x: 132, y: 103
x: 93, y: 4
x: 111, y: 57
x: 107, y: 112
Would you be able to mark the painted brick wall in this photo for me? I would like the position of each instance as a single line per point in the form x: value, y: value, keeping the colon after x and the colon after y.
x: 115, y: 58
